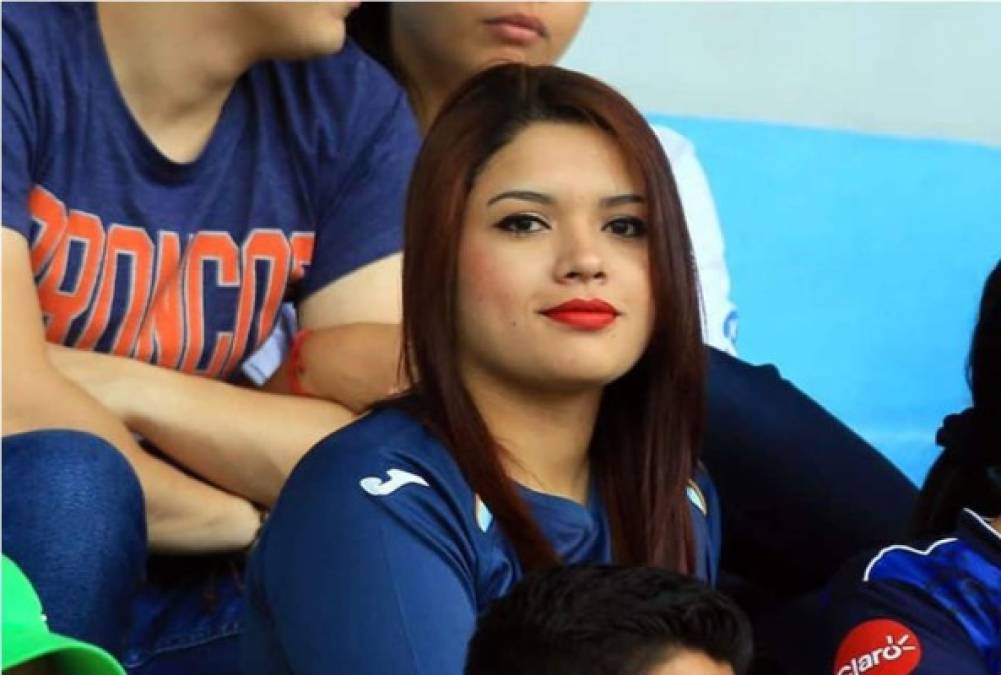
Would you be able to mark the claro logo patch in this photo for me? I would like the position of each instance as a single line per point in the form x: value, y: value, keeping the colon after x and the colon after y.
x: 878, y: 647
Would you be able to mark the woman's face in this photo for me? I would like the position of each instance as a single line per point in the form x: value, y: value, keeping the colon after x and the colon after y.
x: 464, y: 37
x: 553, y: 287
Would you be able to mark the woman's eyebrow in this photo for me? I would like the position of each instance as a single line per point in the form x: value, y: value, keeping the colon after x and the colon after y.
x: 524, y: 195
x: 619, y: 200
x: 540, y: 198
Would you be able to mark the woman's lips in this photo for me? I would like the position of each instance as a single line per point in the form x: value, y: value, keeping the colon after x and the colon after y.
x: 519, y: 29
x: 589, y: 315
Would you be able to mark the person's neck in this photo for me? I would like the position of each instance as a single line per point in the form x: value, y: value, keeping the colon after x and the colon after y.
x: 996, y: 523
x: 175, y: 66
x: 428, y: 84
x: 545, y: 435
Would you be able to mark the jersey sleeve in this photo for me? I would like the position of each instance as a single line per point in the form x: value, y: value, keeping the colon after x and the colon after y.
x: 719, y: 314
x: 361, y: 220
x: 344, y: 581
x: 897, y: 623
x: 18, y: 128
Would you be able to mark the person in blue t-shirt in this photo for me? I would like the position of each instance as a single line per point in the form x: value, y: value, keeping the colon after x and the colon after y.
x: 171, y: 173
x: 550, y: 309
x: 935, y: 606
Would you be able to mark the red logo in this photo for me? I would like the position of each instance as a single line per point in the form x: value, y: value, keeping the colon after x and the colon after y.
x: 878, y: 647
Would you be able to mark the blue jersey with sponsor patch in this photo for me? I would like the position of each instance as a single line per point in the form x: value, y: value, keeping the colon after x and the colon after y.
x: 935, y: 606
x: 186, y: 265
x: 378, y: 556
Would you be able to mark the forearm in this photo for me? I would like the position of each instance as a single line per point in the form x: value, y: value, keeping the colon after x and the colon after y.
x: 354, y: 365
x: 183, y: 514
x: 243, y: 440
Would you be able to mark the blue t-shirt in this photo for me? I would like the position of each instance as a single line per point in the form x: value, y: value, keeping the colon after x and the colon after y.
x: 934, y: 608
x: 378, y: 555
x: 185, y: 265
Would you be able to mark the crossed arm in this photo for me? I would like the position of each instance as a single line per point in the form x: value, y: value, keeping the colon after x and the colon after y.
x: 239, y: 444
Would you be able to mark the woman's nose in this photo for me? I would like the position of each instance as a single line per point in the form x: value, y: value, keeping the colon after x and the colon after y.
x: 580, y: 259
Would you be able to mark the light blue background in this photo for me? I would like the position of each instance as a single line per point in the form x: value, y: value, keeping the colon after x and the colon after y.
x: 857, y: 263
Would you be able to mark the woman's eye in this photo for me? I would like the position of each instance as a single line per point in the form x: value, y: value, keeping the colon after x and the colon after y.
x: 626, y: 227
x: 522, y: 224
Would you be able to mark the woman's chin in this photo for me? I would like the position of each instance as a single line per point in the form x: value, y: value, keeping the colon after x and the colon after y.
x: 577, y: 380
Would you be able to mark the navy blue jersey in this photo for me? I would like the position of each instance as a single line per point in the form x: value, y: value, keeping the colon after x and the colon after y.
x: 933, y: 608
x: 378, y: 556
x: 186, y: 265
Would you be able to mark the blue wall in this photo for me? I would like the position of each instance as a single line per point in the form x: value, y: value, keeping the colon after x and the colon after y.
x: 857, y: 263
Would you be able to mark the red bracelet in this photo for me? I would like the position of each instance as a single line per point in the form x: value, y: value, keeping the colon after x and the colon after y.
x: 296, y: 369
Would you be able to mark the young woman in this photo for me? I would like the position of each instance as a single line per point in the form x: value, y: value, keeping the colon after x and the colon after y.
x: 809, y: 471
x: 550, y: 308
x: 939, y: 600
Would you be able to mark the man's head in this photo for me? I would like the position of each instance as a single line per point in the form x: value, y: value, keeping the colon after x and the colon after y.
x: 605, y: 620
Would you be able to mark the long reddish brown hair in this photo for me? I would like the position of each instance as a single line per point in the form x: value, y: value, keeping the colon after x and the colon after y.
x: 649, y: 424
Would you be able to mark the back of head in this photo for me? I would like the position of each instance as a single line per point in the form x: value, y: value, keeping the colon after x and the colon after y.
x: 605, y: 620
x: 968, y: 472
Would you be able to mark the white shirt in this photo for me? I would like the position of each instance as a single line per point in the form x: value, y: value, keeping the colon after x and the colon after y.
x: 719, y: 314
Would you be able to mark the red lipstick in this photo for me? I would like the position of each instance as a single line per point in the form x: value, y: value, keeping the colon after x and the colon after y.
x: 590, y: 315
x: 521, y: 29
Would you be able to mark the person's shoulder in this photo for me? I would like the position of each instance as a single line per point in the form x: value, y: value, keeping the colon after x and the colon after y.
x: 380, y: 455
x: 44, y: 16
x: 929, y: 605
x: 45, y: 30
x: 961, y: 572
x: 351, y: 68
x: 348, y: 86
x: 47, y: 52
x: 386, y: 433
x: 898, y: 574
x: 940, y: 583
x: 338, y: 114
x: 913, y: 563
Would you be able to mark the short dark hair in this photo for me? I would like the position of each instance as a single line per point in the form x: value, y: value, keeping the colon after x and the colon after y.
x: 606, y: 620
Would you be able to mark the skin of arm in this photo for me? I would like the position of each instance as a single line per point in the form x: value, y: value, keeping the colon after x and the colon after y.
x: 352, y: 355
x: 243, y: 440
x: 183, y: 514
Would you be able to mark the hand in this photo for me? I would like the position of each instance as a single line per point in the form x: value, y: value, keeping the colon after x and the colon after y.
x: 232, y: 525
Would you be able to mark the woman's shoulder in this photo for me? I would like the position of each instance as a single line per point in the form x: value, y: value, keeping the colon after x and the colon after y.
x: 386, y: 462
x: 384, y: 439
